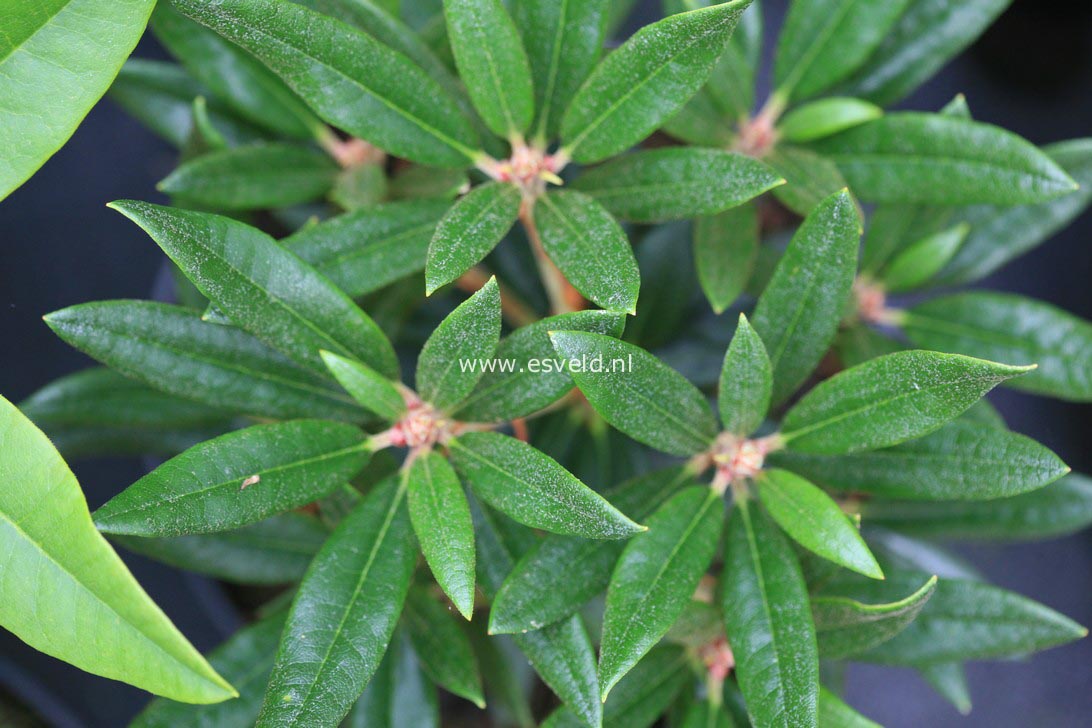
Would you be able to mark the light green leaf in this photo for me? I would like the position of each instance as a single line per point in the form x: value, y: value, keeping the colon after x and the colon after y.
x: 746, y: 381
x: 648, y: 401
x: 919, y: 263
x: 442, y: 645
x: 57, y: 58
x: 589, y: 248
x: 846, y: 627
x: 825, y: 117
x: 797, y: 315
x: 469, y: 231
x: 80, y: 586
x: 263, y: 288
x: 640, y: 85
x: 834, y: 713
x: 809, y: 178
x: 675, y: 183
x: 889, y: 400
x: 372, y: 390
x: 360, y: 186
x: 725, y: 249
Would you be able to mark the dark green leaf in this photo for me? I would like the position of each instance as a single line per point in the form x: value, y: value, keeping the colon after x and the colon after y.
x: 889, y: 400
x: 398, y: 695
x: 826, y: 117
x: 675, y: 183
x: 645, y: 398
x: 701, y: 122
x: 798, y: 313
x: 706, y: 714
x: 360, y: 186
x: 469, y: 230
x: 746, y: 381
x: 413, y: 183
x: 589, y: 248
x: 916, y: 266
x: 809, y: 178
x: 950, y: 681
x: 442, y: 645
x: 860, y: 342
x: 846, y: 627
x: 834, y: 713
x: 372, y: 390
x: 725, y: 248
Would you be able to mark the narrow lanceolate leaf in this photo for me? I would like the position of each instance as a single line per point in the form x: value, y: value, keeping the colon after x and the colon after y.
x: 1056, y: 510
x: 590, y: 248
x: 725, y: 249
x: 563, y: 40
x: 534, y: 489
x: 809, y: 178
x: 171, y: 349
x: 823, y: 42
x: 675, y: 183
x: 372, y: 390
x: 916, y: 266
x: 967, y: 620
x: 263, y: 288
x: 645, y: 398
x: 363, y: 251
x: 949, y: 680
x: 656, y: 577
x: 1011, y: 328
x: 835, y: 713
x: 825, y: 117
x: 350, y: 79
x: 797, y: 315
x: 765, y: 603
x: 846, y: 627
x: 943, y: 160
x: 814, y: 520
x: 344, y: 614
x: 527, y: 387
x: 80, y: 586
x: 1000, y: 234
x: 238, y: 478
x: 960, y: 461
x: 640, y: 85
x: 889, y: 400
x: 746, y: 381
x: 44, y: 99
x: 274, y: 551
x: 928, y: 35
x: 253, y: 177
x: 468, y: 335
x: 443, y: 646
x: 492, y: 63
x: 441, y: 519
x: 469, y: 230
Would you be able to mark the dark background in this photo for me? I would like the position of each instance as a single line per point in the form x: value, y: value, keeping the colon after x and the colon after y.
x: 59, y: 245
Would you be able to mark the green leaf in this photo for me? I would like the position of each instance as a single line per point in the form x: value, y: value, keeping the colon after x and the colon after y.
x: 492, y: 64
x: 645, y: 399
x: 76, y: 585
x: 889, y: 400
x: 441, y: 519
x: 960, y: 461
x: 254, y: 177
x: 541, y: 590
x: 349, y: 78
x: 825, y: 117
x: 398, y: 695
x: 798, y: 312
x: 674, y: 183
x: 640, y: 85
x: 765, y: 603
x: 534, y: 489
x: 417, y: 182
x: 361, y: 252
x: 707, y: 714
x: 263, y: 288
x: 833, y: 712
x: 725, y: 249
x: 919, y: 263
x: 810, y: 178
x: 274, y: 551
x: 45, y: 96
x: 563, y: 41
x: 171, y: 349
x: 927, y: 36
x: 943, y: 160
x: 1014, y: 328
x: 589, y: 248
x: 950, y: 681
x: 360, y: 186
x: 656, y: 577
x: 372, y: 390
x: 814, y: 520
x: 442, y: 645
x: 233, y: 75
x: 469, y: 230
x: 1059, y: 509
x: 238, y: 478
x: 825, y: 41
x: 344, y: 614
x: 746, y: 381
x: 1000, y: 234
x: 701, y: 122
x: 527, y: 387
x: 468, y: 334
x: 860, y: 342
x: 846, y: 627
x: 246, y: 660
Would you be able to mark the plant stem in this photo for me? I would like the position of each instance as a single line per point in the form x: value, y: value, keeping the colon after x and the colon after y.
x: 552, y: 278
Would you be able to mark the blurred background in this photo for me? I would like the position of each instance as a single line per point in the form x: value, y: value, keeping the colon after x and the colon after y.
x: 59, y: 245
